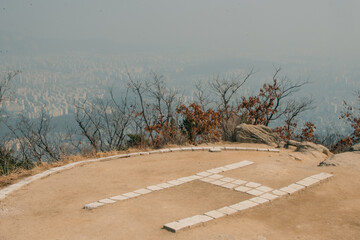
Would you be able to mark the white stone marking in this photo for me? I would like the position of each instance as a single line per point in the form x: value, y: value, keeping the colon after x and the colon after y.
x: 175, y: 182
x: 197, y: 148
x: 228, y: 179
x: 106, y: 201
x: 218, y: 182
x: 93, y: 205
x: 175, y: 226
x: 175, y: 149
x: 255, y: 192
x: 322, y: 176
x: 207, y: 180
x: 154, y: 188
x: 230, y: 148
x: 216, y: 176
x: 164, y: 185
x: 259, y: 200
x: 229, y: 185
x: 279, y: 193
x: 203, y: 174
x: 165, y: 150
x: 215, y: 214
x: 242, y: 189
x: 253, y: 184
x: 119, y: 198
x: 215, y: 150
x: 244, y: 205
x: 227, y: 210
x: 264, y: 189
x: 308, y: 181
x: 143, y: 191
x: 241, y: 148
x: 214, y: 170
x: 131, y: 194
x: 296, y: 186
x: 269, y: 196
x: 289, y: 190
x: 144, y: 153
x: 186, y: 149
x: 239, y: 182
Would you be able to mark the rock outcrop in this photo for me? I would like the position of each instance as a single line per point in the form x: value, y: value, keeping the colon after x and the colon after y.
x: 246, y: 133
x: 355, y: 147
x: 309, y: 147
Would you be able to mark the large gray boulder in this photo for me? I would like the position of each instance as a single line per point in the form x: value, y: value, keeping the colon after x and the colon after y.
x: 246, y: 133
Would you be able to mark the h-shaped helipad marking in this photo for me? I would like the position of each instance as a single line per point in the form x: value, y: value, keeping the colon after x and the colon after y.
x: 262, y: 194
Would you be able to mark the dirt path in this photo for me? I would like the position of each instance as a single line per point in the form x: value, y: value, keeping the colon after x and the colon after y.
x: 51, y: 208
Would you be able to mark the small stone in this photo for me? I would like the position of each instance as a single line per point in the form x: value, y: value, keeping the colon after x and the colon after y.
x: 227, y: 210
x: 215, y: 214
x: 253, y: 184
x: 142, y: 191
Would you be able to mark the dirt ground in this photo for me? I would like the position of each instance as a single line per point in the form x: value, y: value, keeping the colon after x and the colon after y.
x: 51, y: 208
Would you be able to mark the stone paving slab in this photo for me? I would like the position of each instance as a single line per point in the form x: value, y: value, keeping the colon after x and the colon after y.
x: 255, y: 192
x: 279, y: 193
x: 269, y: 196
x: 203, y: 174
x: 175, y: 149
x: 154, y: 188
x: 218, y: 182
x: 142, y: 191
x: 259, y: 200
x: 106, y: 201
x: 216, y: 176
x: 175, y: 182
x: 215, y: 150
x: 186, y: 149
x: 228, y: 179
x: 93, y: 205
x: 264, y: 189
x: 229, y: 185
x: 239, y: 182
x: 227, y: 210
x: 253, y: 184
x: 131, y: 194
x: 215, y: 214
x: 242, y: 189
x: 175, y: 226
x: 322, y: 176
x: 296, y: 186
x: 214, y: 170
x: 207, y: 180
x: 289, y: 190
x: 308, y: 181
x: 164, y: 185
x: 244, y: 205
x: 119, y: 198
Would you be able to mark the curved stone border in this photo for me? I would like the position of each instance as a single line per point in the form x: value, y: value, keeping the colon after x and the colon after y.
x: 6, y: 191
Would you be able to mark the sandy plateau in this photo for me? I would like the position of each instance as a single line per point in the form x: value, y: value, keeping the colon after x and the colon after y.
x: 52, y: 207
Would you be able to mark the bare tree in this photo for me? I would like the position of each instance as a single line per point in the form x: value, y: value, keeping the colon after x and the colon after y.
x: 5, y: 85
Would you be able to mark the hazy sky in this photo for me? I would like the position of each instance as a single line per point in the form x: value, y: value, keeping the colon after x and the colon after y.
x: 261, y: 28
